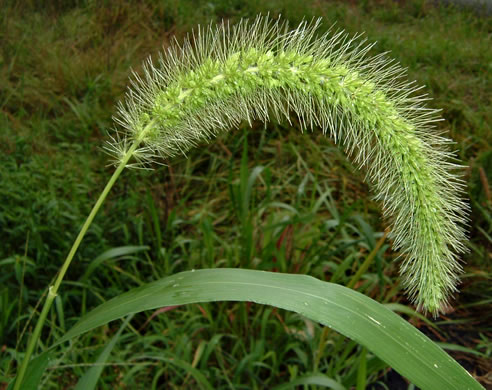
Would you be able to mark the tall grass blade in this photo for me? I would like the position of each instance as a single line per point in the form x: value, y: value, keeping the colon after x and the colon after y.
x: 34, y: 372
x: 89, y: 380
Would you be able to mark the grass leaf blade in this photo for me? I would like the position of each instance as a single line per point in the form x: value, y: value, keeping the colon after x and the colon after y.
x: 354, y: 315
x: 89, y: 380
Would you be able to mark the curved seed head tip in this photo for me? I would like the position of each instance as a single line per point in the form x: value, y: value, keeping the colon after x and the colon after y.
x: 225, y: 74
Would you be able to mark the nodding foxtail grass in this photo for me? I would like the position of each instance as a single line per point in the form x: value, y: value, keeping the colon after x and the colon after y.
x: 226, y: 74
x: 256, y: 70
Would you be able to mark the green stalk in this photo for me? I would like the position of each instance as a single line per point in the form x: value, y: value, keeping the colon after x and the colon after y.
x: 367, y: 262
x: 54, y: 288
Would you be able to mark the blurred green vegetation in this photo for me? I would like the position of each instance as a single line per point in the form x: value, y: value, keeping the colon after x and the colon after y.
x: 64, y: 65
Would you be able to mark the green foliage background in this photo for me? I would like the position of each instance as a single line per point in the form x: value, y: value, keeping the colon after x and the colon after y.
x: 64, y: 65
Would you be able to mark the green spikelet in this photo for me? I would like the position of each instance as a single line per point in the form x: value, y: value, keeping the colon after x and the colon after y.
x: 225, y: 74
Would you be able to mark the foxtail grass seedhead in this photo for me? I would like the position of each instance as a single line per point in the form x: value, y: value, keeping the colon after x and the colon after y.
x: 225, y: 74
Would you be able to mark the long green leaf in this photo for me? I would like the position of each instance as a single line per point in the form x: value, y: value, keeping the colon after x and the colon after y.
x: 354, y: 315
x: 111, y: 254
x: 89, y: 380
x: 37, y: 367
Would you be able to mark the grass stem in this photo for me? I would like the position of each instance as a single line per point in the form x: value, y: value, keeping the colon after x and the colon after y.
x: 54, y: 288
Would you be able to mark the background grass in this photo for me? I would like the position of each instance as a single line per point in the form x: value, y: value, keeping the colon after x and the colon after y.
x: 63, y: 66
